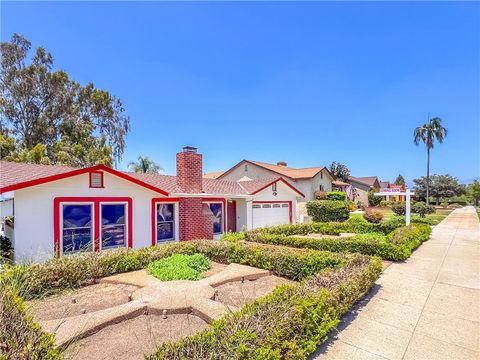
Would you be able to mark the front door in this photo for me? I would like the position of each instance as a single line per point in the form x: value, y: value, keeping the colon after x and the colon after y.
x: 231, y: 215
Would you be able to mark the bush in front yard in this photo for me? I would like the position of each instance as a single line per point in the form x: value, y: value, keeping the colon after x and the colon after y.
x: 399, y: 208
x: 372, y: 215
x: 328, y: 210
x: 179, y: 267
x: 422, y: 209
x: 336, y: 195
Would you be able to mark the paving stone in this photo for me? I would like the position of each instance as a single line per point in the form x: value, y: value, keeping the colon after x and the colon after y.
x: 424, y: 347
x: 342, y: 350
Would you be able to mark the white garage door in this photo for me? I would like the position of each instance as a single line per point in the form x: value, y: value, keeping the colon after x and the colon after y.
x: 270, y: 214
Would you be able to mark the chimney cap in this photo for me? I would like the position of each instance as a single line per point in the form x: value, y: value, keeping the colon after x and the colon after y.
x: 190, y: 149
x: 281, y: 163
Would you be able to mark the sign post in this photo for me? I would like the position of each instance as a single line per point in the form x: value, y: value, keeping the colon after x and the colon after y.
x: 407, y: 193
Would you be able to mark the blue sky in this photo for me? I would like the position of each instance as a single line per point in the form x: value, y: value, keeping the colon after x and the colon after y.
x: 307, y: 83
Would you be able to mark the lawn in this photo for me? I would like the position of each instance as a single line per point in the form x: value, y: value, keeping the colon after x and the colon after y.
x: 434, y: 218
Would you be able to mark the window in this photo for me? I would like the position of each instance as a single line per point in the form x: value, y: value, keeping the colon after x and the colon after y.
x: 113, y: 225
x: 165, y: 222
x: 246, y: 167
x: 77, y: 228
x: 266, y: 206
x: 285, y: 205
x: 96, y: 179
x: 321, y: 174
x: 274, y: 187
x: 217, y: 211
x: 321, y: 187
x: 276, y: 205
x: 256, y: 206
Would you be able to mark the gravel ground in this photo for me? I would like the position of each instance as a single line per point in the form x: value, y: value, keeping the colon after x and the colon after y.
x: 133, y: 338
x: 238, y: 294
x: 91, y: 298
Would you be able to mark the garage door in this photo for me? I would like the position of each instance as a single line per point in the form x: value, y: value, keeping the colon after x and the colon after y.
x: 270, y: 214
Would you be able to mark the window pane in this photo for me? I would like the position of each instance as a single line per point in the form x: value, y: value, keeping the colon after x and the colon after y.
x: 165, y: 222
x: 113, y: 225
x: 113, y: 214
x: 75, y: 240
x: 217, y: 222
x: 165, y: 212
x: 77, y: 216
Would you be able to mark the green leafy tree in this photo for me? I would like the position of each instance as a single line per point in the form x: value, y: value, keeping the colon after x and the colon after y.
x: 473, y: 190
x: 441, y: 187
x: 428, y: 133
x: 76, y: 125
x: 144, y: 165
x: 340, y: 171
x: 400, y: 180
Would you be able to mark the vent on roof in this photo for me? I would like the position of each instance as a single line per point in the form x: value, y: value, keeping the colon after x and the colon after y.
x: 281, y: 163
x: 190, y: 149
x: 96, y: 179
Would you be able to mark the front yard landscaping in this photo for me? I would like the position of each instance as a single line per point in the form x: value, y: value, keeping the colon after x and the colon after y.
x: 314, y: 289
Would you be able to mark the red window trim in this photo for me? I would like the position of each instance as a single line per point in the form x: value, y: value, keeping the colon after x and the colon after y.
x: 278, y: 202
x: 154, y: 215
x: 90, y: 179
x: 96, y: 218
x: 224, y: 212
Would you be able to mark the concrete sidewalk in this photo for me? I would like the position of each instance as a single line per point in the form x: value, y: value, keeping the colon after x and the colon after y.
x: 425, y: 308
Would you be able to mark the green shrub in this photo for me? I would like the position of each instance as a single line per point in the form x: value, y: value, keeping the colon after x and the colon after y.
x: 233, y: 236
x: 399, y: 208
x: 422, y: 209
x: 179, y: 267
x: 386, y: 203
x: 320, y: 195
x: 374, y: 200
x: 288, y: 323
x: 20, y: 336
x: 336, y: 195
x: 328, y: 210
x: 396, y: 246
x: 372, y: 215
x: 6, y: 249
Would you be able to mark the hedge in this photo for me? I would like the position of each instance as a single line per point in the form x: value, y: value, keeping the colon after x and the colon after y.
x: 328, y: 210
x: 396, y: 246
x: 336, y: 195
x: 289, y: 323
x: 310, y: 309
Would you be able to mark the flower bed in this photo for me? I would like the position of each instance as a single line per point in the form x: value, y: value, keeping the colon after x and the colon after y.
x: 330, y: 284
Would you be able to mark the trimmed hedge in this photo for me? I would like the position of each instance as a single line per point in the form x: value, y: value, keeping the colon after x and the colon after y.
x: 328, y: 210
x: 289, y: 323
x: 336, y: 195
x: 331, y: 283
x: 397, y: 246
x: 20, y: 336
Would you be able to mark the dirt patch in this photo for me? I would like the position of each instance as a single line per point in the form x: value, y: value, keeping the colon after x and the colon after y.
x: 215, y: 268
x: 89, y: 298
x: 133, y: 338
x: 238, y: 294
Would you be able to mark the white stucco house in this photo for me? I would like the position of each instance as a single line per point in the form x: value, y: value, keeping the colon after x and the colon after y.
x: 60, y: 210
x: 306, y: 180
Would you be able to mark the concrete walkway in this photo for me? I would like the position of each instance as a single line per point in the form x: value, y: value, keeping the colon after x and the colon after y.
x: 425, y: 308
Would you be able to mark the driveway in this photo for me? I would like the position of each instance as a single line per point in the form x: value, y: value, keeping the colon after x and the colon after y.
x: 427, y: 307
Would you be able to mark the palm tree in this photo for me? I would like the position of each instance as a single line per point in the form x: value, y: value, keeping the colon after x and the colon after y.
x: 427, y: 133
x: 144, y: 165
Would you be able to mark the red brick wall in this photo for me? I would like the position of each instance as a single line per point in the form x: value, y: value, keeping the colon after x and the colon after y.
x: 189, y: 172
x: 196, y: 219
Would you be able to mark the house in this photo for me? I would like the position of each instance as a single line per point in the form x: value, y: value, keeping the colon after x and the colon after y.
x: 62, y: 210
x: 361, y: 187
x: 306, y: 180
x: 386, y: 186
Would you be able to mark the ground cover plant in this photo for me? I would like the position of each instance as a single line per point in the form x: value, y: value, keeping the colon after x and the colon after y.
x: 179, y: 267
x: 330, y: 284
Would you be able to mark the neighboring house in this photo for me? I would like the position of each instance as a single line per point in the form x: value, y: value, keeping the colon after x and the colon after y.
x: 386, y: 186
x: 306, y: 180
x: 361, y: 186
x: 61, y: 210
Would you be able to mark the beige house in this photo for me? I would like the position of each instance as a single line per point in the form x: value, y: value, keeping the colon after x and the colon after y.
x: 361, y: 186
x: 306, y: 180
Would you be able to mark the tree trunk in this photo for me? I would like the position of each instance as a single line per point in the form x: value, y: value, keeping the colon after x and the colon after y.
x: 428, y: 174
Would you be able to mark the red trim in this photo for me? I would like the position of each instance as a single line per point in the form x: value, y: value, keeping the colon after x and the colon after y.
x: 96, y: 218
x: 79, y: 172
x: 290, y: 208
x: 224, y: 202
x: 90, y: 179
x: 275, y: 181
x: 154, y: 214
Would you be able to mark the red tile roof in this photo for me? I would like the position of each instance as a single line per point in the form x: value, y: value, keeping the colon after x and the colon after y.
x: 213, y: 175
x: 18, y: 174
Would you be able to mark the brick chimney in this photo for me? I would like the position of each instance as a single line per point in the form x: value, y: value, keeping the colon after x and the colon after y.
x: 189, y: 170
